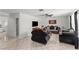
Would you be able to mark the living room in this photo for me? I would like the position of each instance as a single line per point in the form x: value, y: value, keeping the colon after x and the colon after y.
x: 20, y: 27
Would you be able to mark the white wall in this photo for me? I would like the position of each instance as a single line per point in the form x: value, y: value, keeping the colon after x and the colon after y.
x: 4, y: 20
x: 25, y: 24
x: 12, y: 24
x: 62, y: 21
x: 4, y: 14
x: 43, y: 21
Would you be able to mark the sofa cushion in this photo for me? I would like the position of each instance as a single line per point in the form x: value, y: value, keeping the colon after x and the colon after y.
x: 38, y: 30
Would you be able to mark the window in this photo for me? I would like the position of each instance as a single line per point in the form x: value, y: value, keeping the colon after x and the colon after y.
x: 73, y: 22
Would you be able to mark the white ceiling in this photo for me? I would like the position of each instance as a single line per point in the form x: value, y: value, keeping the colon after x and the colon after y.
x: 36, y: 12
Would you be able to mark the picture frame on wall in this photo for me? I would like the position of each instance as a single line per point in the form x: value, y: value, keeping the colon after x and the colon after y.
x: 52, y: 21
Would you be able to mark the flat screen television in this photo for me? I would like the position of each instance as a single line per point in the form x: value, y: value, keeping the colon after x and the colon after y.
x: 34, y: 23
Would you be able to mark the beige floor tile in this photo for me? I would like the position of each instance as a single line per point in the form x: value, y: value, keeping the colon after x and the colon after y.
x: 28, y: 44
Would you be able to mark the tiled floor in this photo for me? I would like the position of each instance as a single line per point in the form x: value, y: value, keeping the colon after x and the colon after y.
x: 28, y: 44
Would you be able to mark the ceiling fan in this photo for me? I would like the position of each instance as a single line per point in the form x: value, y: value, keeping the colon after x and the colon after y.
x: 46, y: 14
x: 49, y: 15
x: 41, y: 10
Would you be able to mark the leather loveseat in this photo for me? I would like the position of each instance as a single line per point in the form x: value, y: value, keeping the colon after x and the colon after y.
x: 69, y: 38
x: 39, y: 36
